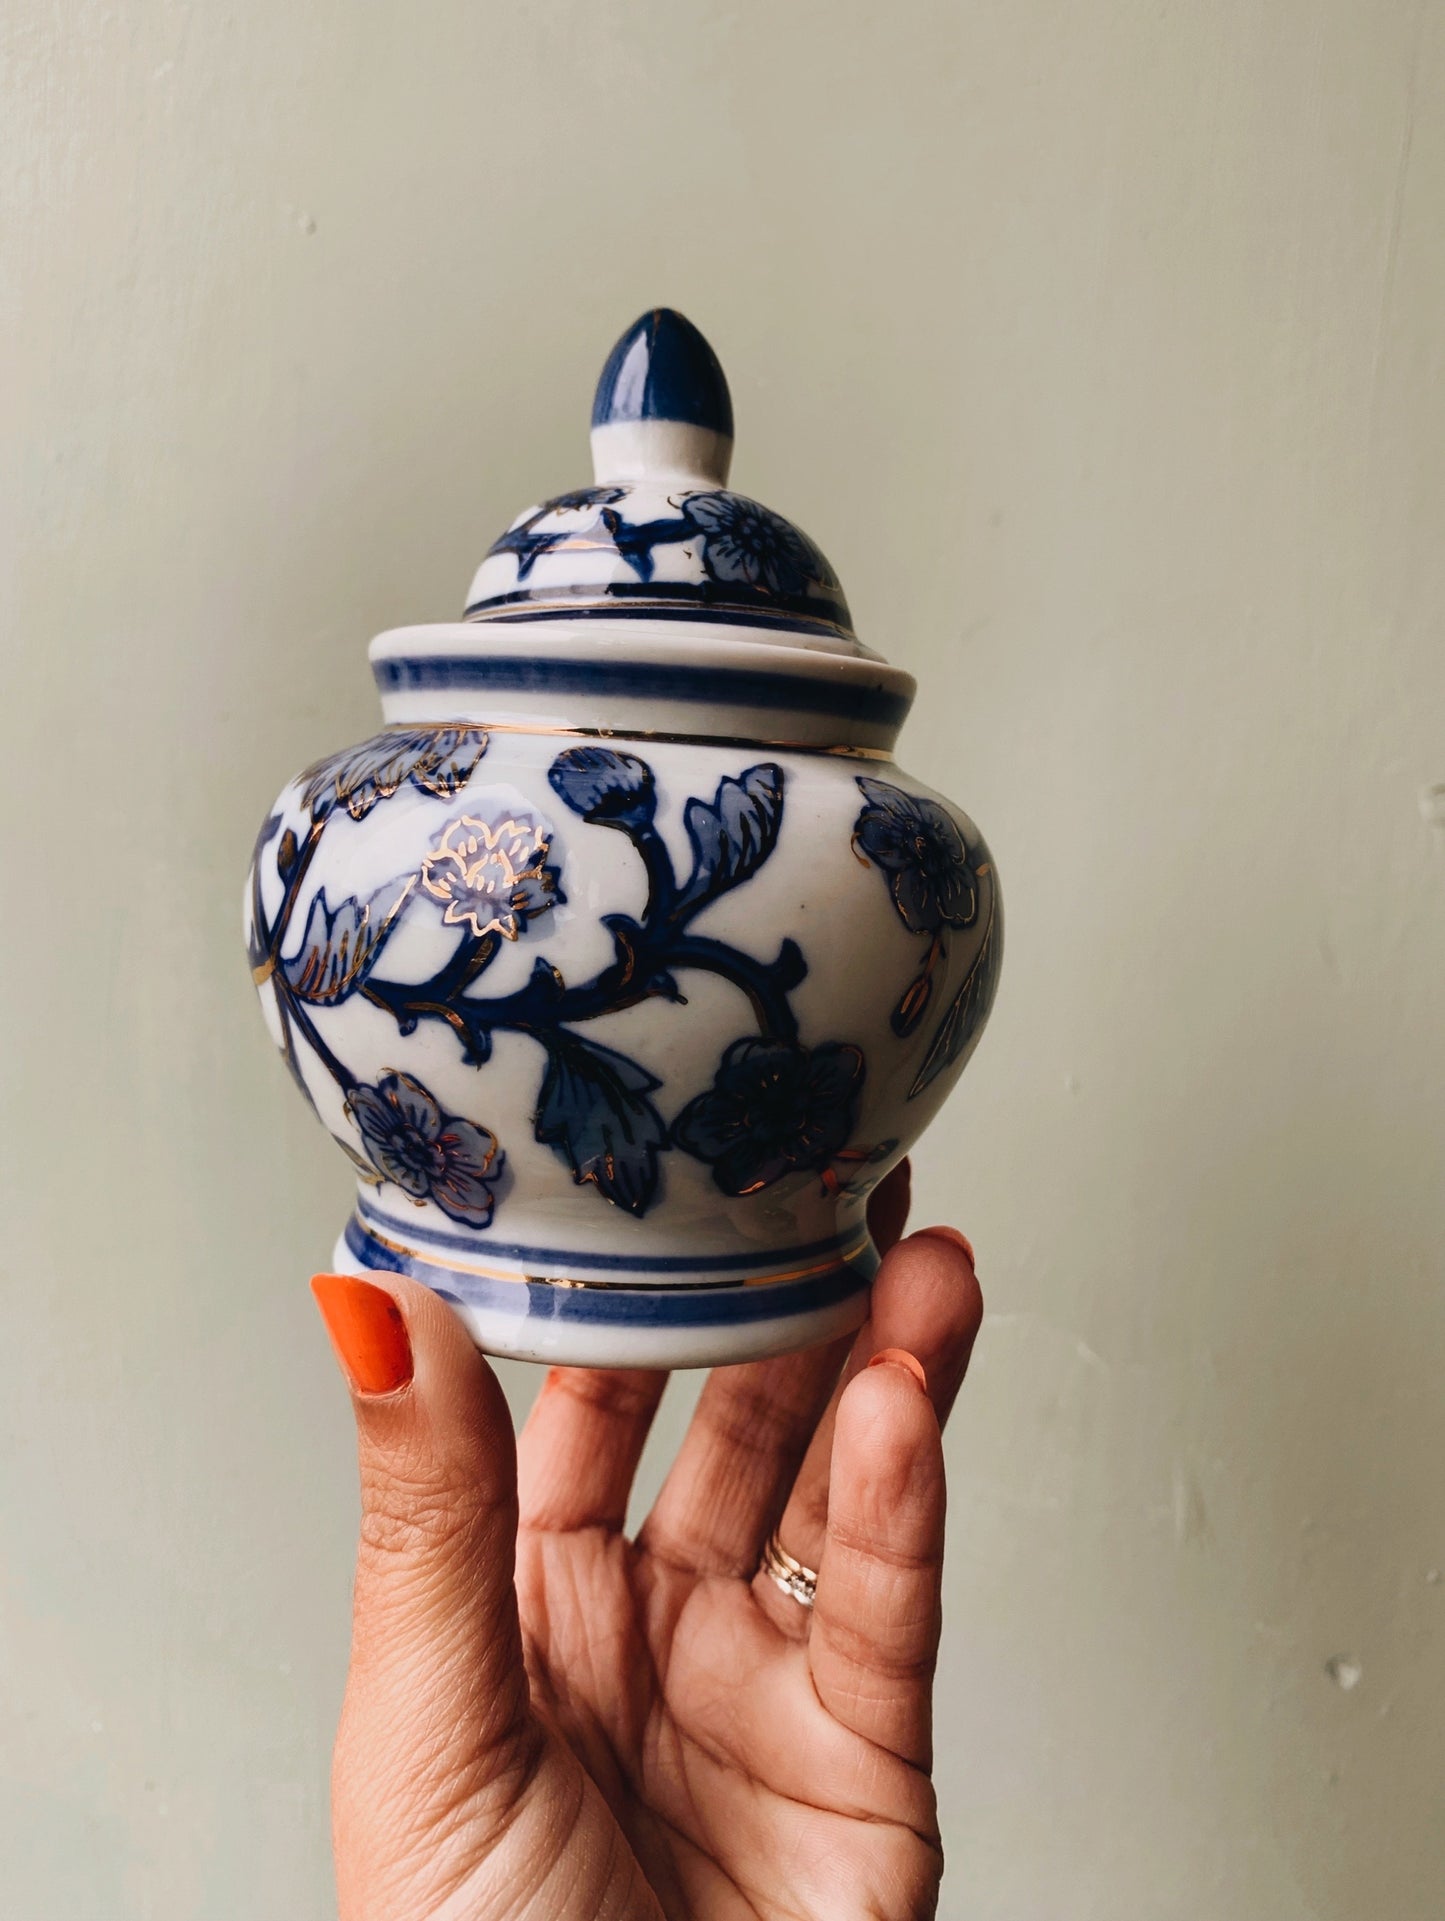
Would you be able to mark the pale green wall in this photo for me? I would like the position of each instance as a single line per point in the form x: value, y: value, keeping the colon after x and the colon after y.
x: 1101, y: 346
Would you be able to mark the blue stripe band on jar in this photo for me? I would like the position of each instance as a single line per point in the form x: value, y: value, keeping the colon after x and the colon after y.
x: 721, y: 1306
x: 719, y: 686
x: 572, y: 1258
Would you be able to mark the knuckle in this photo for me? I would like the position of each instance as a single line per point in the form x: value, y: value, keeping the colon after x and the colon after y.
x: 618, y: 1395
x: 413, y: 1516
x: 863, y: 1545
x: 757, y: 1422
x: 905, y: 1656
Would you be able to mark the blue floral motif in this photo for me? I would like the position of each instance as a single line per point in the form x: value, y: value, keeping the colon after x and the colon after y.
x: 936, y: 879
x: 436, y: 760
x: 615, y: 790
x: 734, y: 833
x: 428, y: 1154
x: 774, y: 1107
x: 493, y: 876
x: 341, y: 944
x: 593, y: 1109
x: 932, y: 875
x: 965, y: 1015
x: 579, y: 497
x: 529, y: 544
x: 749, y: 555
x: 750, y: 544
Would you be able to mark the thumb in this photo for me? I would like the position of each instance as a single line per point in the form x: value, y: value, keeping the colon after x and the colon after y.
x: 435, y: 1722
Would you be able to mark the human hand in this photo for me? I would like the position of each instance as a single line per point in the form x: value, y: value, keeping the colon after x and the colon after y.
x: 547, y: 1721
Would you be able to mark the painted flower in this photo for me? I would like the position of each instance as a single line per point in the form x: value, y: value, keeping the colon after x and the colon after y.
x: 430, y: 1155
x: 774, y: 1107
x: 745, y: 542
x: 436, y: 760
x: 493, y: 876
x: 933, y: 875
x: 616, y: 790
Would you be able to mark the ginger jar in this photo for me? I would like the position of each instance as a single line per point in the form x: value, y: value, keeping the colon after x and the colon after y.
x: 624, y: 960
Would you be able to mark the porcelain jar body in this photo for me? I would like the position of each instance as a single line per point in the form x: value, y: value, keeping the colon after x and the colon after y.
x: 623, y: 968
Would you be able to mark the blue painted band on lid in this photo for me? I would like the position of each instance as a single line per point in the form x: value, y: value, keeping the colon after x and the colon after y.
x: 569, y: 1258
x: 543, y: 605
x: 706, y: 598
x: 722, y: 1306
x: 718, y: 686
x: 663, y: 369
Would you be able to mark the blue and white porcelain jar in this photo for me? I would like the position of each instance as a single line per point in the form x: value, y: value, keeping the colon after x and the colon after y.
x: 624, y: 961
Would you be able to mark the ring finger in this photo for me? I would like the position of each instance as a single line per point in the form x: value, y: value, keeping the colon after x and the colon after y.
x: 926, y: 1300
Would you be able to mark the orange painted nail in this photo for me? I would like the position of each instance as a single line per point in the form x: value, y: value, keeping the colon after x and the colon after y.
x: 366, y: 1330
x: 900, y: 1357
x: 958, y: 1239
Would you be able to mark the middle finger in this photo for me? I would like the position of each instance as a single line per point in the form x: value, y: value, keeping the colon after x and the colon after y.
x: 748, y: 1436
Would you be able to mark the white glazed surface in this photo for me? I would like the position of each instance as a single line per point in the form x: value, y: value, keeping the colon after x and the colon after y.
x: 813, y: 887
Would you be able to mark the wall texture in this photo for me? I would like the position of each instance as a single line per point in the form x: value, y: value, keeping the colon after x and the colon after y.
x: 1101, y: 346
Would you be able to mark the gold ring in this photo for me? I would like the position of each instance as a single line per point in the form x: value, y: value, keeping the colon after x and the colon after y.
x: 791, y: 1576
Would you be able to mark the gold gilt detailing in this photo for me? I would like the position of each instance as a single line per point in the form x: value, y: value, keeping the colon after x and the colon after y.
x: 483, y: 872
x: 674, y: 740
x: 840, y: 1259
x: 328, y: 968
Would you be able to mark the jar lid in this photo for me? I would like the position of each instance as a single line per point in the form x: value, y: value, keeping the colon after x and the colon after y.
x: 659, y: 535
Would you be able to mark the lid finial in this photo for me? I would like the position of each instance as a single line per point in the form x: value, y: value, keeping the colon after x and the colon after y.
x: 662, y: 405
x: 660, y: 537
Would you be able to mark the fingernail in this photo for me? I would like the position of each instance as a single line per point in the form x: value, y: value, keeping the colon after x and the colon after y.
x: 900, y: 1357
x: 366, y: 1330
x: 959, y: 1240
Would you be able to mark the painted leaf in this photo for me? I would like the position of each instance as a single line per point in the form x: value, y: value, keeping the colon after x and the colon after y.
x: 914, y: 1004
x: 963, y: 1022
x: 341, y: 944
x: 733, y: 834
x: 594, y: 1112
x: 364, y: 1169
x: 447, y: 767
